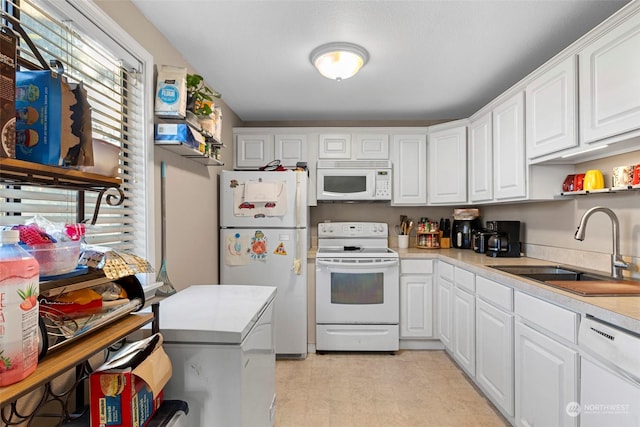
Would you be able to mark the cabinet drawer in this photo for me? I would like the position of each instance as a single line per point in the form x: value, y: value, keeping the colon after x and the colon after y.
x: 495, y: 293
x: 465, y: 279
x: 557, y: 320
x: 416, y: 266
x: 445, y: 270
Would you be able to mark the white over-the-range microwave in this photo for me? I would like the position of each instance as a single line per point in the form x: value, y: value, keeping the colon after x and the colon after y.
x: 351, y: 180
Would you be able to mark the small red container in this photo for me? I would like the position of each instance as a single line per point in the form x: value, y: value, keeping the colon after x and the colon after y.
x: 567, y: 185
x: 636, y: 175
x: 578, y: 181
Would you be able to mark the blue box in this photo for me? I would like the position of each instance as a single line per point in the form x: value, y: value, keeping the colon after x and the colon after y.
x: 39, y: 117
x: 179, y: 133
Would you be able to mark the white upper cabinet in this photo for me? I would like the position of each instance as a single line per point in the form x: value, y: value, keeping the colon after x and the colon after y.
x: 255, y: 147
x: 481, y: 159
x: 551, y: 117
x: 409, y: 157
x: 354, y: 146
x: 509, y: 177
x: 291, y: 149
x: 334, y: 146
x: 447, y: 163
x: 371, y: 146
x: 609, y: 69
x: 253, y: 151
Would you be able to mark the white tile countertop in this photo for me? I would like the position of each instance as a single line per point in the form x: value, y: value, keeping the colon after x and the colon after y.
x: 623, y: 311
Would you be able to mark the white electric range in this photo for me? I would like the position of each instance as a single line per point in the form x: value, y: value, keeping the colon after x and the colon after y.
x: 357, y: 288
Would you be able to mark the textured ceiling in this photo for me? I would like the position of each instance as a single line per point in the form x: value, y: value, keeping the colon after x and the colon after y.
x: 429, y: 60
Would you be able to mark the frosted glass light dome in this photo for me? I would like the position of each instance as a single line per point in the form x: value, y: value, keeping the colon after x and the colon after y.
x: 339, y: 60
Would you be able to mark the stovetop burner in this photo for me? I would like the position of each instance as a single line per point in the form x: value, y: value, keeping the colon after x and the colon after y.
x: 354, y: 239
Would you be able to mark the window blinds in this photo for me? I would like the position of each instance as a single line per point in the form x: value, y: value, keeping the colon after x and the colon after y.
x: 115, y: 93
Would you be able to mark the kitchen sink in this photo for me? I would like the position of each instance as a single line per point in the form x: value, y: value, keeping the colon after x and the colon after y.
x: 546, y: 273
x: 574, y: 280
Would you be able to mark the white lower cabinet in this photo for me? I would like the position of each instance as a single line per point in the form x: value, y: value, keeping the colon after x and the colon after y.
x: 416, y: 299
x: 444, y: 304
x: 464, y: 348
x: 494, y: 354
x: 546, y: 369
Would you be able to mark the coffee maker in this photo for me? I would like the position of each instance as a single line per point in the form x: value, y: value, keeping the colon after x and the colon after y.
x: 462, y: 232
x: 506, y: 240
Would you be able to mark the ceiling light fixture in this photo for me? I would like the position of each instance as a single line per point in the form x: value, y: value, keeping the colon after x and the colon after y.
x: 339, y: 60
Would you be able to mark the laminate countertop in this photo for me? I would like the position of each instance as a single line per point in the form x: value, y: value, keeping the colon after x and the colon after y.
x: 622, y: 311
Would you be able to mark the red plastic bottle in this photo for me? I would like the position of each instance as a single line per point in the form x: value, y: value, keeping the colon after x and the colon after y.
x: 19, y: 288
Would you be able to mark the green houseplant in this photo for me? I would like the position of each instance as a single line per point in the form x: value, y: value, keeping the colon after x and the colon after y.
x: 197, y: 95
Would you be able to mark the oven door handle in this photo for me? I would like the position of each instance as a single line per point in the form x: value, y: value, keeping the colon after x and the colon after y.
x: 387, y: 263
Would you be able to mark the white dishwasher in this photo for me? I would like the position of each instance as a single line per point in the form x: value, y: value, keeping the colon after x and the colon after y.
x: 220, y: 339
x: 609, y: 375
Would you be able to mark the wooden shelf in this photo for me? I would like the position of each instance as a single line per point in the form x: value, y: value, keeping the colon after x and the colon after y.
x: 29, y: 173
x: 59, y: 361
x: 19, y: 172
x: 433, y: 235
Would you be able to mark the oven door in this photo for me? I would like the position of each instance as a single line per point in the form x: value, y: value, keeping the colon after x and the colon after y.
x: 357, y: 291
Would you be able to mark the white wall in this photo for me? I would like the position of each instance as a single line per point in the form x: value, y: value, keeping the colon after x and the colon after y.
x: 191, y: 188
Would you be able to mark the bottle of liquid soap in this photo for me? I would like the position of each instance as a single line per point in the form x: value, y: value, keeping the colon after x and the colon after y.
x: 19, y: 288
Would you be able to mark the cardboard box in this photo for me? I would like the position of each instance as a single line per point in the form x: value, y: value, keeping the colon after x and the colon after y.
x: 167, y: 133
x: 129, y: 397
x: 53, y: 120
x: 7, y: 93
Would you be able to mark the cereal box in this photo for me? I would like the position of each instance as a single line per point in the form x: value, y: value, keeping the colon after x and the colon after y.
x: 7, y: 93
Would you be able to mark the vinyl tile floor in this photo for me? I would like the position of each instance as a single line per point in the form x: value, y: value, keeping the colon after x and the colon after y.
x: 410, y: 388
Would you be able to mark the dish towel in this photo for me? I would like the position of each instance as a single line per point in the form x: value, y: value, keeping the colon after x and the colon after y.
x: 256, y: 191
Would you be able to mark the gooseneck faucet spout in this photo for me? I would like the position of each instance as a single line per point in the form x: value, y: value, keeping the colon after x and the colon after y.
x: 617, y: 263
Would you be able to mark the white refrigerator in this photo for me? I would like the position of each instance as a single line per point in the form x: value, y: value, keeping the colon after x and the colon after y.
x: 264, y: 241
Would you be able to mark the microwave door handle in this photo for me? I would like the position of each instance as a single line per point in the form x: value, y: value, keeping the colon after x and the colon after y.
x: 388, y: 263
x: 332, y: 194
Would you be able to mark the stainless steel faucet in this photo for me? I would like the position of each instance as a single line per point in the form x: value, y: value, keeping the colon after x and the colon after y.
x: 617, y: 264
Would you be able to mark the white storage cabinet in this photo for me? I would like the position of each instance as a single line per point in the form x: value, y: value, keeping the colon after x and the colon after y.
x: 494, y: 343
x: 546, y: 363
x: 464, y: 322
x: 444, y: 303
x: 551, y: 110
x: 447, y: 160
x: 481, y: 159
x: 409, y: 158
x: 416, y: 299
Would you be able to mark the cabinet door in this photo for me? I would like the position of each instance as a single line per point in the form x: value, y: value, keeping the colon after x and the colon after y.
x: 253, y: 151
x: 447, y: 160
x: 416, y: 306
x: 409, y: 170
x: 444, y: 312
x: 371, y: 146
x: 610, y: 83
x: 481, y: 159
x: 464, y: 330
x: 508, y: 149
x: 291, y: 149
x: 546, y: 380
x: 494, y: 354
x: 551, y: 110
x: 334, y: 146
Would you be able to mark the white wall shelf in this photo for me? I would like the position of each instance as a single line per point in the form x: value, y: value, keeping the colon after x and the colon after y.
x: 600, y: 191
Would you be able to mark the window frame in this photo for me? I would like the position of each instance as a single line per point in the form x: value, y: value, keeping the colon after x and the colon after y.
x: 91, y: 20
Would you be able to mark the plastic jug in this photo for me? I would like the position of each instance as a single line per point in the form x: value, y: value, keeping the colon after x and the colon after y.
x: 19, y: 288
